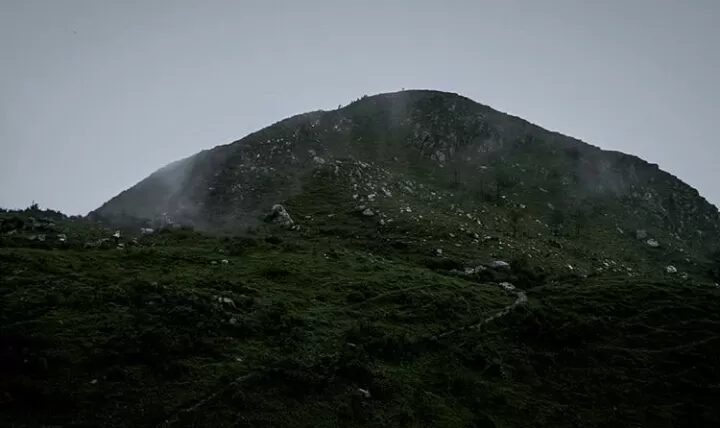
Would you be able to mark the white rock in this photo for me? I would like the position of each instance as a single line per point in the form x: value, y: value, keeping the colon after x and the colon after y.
x: 499, y: 264
x: 367, y: 212
x: 224, y: 261
x: 671, y: 269
x: 652, y: 243
x: 439, y: 252
x: 507, y: 286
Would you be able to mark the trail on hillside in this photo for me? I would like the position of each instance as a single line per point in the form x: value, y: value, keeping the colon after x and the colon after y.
x: 520, y: 300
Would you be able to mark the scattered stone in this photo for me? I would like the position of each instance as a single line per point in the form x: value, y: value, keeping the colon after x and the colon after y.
x: 671, y: 269
x: 224, y: 261
x: 146, y: 230
x: 365, y: 393
x: 318, y: 160
x: 641, y: 234
x: 439, y: 252
x: 367, y: 212
x: 652, y: 243
x: 93, y: 382
x: 499, y: 264
x: 382, y: 222
x: 226, y: 301
x: 507, y: 286
x: 62, y: 237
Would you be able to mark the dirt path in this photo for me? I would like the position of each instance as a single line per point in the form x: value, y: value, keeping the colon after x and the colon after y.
x: 520, y: 300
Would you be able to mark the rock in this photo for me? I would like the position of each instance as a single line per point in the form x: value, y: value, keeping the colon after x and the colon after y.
x: 439, y: 252
x: 62, y: 237
x: 280, y: 216
x: 671, y: 269
x: 146, y: 230
x: 224, y: 261
x: 499, y: 264
x: 365, y: 393
x: 382, y: 222
x: 507, y: 286
x: 213, y: 262
x: 318, y: 160
x: 226, y: 301
x: 684, y: 275
x: 641, y: 234
x: 367, y: 212
x: 652, y: 243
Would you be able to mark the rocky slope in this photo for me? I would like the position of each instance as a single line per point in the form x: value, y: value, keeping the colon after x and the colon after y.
x: 443, y: 164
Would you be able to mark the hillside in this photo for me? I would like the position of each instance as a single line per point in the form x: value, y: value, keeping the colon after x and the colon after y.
x: 433, y: 263
x: 437, y: 165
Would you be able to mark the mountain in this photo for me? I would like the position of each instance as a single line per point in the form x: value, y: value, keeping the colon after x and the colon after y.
x: 412, y: 259
x: 459, y: 166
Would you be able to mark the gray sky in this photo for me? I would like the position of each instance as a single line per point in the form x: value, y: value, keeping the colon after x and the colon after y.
x: 97, y: 94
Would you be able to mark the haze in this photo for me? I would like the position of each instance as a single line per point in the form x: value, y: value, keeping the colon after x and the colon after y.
x: 95, y: 95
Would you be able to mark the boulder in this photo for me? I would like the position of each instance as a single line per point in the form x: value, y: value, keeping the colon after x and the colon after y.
x: 671, y: 269
x: 507, y: 286
x: 652, y: 243
x: 280, y: 216
x: 500, y: 265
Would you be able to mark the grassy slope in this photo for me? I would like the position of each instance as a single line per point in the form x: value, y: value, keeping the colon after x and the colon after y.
x: 137, y: 337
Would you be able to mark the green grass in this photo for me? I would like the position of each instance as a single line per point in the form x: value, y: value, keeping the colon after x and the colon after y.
x: 138, y: 337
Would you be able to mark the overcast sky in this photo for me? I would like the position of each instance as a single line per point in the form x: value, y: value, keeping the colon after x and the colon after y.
x: 97, y: 94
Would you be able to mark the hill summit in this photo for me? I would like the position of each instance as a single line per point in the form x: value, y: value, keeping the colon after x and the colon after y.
x: 434, y: 161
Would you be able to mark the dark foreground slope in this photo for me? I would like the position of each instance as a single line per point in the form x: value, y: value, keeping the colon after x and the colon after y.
x: 314, y: 328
